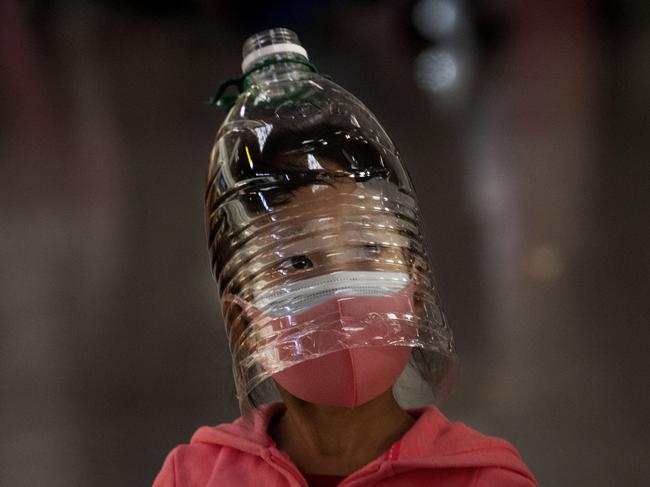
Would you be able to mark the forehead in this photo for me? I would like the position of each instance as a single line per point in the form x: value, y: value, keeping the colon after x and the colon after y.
x: 343, y: 199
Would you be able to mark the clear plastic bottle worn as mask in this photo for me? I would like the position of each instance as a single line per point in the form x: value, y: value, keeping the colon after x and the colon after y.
x: 314, y: 237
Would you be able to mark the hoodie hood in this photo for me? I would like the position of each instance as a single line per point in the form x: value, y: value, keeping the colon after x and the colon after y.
x: 431, y: 443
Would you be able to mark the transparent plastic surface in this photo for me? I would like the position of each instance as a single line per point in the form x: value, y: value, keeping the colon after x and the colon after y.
x: 313, y: 231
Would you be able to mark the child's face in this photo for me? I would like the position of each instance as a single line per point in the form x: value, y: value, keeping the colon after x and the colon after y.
x: 323, y: 229
x: 342, y: 228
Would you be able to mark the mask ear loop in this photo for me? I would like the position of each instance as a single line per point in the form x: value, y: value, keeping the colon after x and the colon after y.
x: 220, y: 99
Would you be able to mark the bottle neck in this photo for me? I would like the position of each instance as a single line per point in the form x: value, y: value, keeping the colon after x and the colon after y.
x: 273, y: 45
x: 283, y: 66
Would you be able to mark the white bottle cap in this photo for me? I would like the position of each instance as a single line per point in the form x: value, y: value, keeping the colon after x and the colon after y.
x: 250, y: 59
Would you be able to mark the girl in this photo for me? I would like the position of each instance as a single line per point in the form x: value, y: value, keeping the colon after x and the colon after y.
x: 327, y: 295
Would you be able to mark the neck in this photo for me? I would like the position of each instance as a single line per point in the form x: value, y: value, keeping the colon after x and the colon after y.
x: 336, y: 440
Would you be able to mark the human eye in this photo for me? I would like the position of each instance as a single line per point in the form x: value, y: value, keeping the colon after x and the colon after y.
x: 296, y: 262
x: 372, y: 249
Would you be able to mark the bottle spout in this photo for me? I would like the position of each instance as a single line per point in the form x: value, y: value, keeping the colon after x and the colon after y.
x: 270, y: 43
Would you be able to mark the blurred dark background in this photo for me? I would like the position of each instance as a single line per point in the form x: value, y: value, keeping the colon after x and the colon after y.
x: 524, y: 125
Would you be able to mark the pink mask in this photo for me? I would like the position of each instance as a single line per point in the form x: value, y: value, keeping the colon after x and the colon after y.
x: 335, y: 339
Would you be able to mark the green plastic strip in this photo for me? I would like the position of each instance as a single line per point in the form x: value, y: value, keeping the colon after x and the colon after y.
x: 220, y: 99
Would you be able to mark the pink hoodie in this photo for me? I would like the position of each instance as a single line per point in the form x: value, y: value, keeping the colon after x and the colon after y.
x: 433, y: 452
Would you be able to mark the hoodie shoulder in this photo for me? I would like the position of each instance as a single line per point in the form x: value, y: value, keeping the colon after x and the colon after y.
x: 187, y: 465
x: 234, y: 453
x: 195, y: 463
x: 438, y: 443
x: 434, y: 434
x: 459, y: 438
x: 250, y: 437
x: 498, y: 460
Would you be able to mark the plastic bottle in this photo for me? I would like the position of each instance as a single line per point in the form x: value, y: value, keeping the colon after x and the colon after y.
x: 306, y: 191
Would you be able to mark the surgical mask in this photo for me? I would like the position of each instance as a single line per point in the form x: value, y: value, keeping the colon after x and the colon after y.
x: 297, y: 296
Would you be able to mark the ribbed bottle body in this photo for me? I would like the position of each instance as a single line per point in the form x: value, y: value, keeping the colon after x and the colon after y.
x: 309, y: 208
